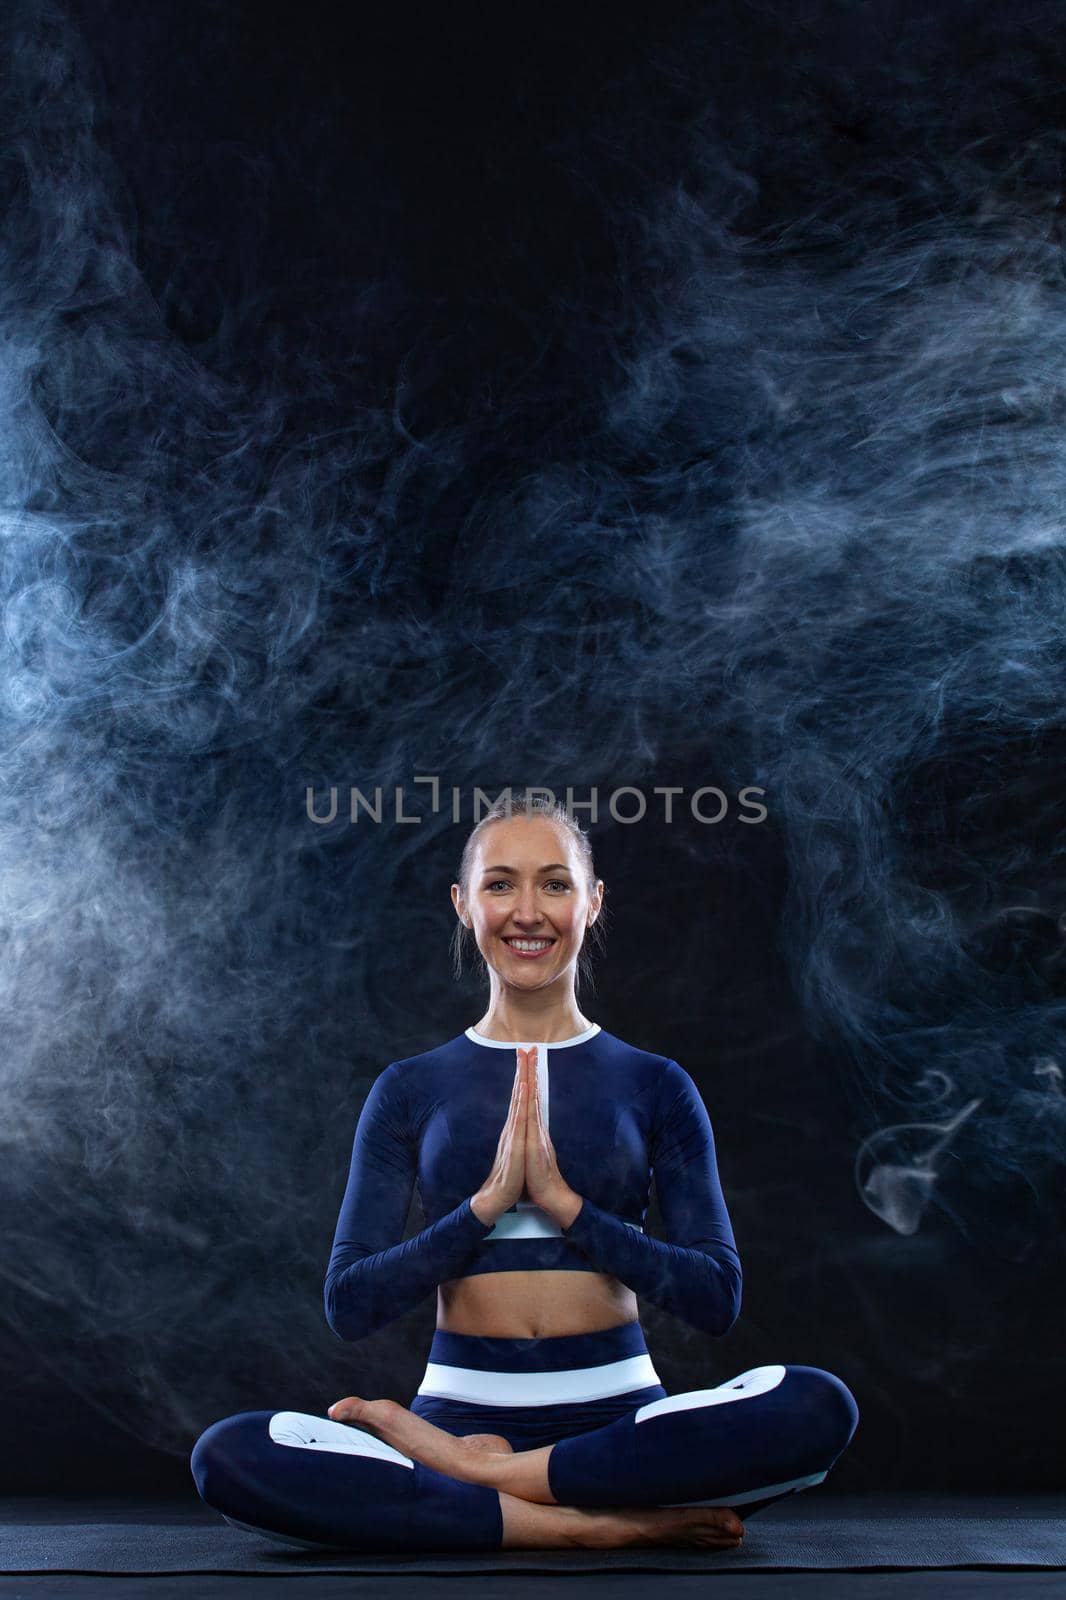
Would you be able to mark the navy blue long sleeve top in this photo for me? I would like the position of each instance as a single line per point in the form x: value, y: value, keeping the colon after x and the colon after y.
x: 618, y: 1117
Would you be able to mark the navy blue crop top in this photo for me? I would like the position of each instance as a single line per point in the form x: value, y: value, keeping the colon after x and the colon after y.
x: 616, y: 1115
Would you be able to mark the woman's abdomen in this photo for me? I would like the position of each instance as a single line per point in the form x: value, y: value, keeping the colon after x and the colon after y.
x: 534, y: 1305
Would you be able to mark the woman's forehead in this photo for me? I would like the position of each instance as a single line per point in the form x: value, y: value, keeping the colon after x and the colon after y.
x: 512, y: 837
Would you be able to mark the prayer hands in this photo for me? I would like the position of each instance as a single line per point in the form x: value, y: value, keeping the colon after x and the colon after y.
x: 545, y: 1184
x: 525, y: 1156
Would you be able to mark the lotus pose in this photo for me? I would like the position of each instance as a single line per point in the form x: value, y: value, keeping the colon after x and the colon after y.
x: 533, y: 1137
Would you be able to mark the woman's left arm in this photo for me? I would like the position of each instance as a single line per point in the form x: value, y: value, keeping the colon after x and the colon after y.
x: 697, y: 1274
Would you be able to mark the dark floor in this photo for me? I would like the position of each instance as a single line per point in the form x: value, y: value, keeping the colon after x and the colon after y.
x: 532, y: 1586
x: 862, y: 1547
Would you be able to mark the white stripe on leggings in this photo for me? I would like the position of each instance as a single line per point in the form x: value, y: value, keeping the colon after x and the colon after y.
x: 753, y: 1494
x: 538, y: 1388
x: 757, y: 1380
x: 307, y: 1432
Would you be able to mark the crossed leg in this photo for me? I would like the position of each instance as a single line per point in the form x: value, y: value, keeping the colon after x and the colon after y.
x: 308, y: 1480
x: 532, y: 1518
x: 674, y: 1471
x: 770, y: 1432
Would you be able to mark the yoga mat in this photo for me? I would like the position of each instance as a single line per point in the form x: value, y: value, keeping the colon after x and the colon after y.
x: 843, y: 1533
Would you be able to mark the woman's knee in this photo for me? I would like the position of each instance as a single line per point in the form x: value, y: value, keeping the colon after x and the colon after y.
x: 829, y: 1408
x: 222, y: 1454
x: 307, y: 1477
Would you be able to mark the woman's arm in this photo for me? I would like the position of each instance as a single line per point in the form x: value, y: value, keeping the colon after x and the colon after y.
x: 697, y: 1275
x: 371, y: 1279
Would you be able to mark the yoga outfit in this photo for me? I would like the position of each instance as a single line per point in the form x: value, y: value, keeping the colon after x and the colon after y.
x: 617, y: 1116
x: 615, y: 1113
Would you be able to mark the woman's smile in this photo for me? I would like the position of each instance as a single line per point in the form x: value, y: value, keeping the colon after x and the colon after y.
x: 528, y: 949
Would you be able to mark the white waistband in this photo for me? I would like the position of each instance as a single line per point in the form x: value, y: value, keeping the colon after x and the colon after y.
x: 538, y: 1388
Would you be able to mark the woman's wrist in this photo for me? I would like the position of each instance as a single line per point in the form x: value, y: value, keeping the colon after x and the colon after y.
x: 569, y: 1210
x: 565, y: 1209
x: 485, y: 1208
x: 489, y: 1208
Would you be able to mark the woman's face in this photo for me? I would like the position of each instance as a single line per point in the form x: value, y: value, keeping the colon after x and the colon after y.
x: 528, y: 887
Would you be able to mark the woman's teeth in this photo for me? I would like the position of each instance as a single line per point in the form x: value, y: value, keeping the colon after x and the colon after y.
x: 529, y: 946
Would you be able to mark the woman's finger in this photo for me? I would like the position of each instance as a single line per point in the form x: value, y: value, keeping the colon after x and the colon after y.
x: 532, y: 1087
x: 519, y: 1094
x: 535, y: 1083
x: 516, y: 1095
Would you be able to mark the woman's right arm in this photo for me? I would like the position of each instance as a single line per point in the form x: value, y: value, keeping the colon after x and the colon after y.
x: 371, y: 1279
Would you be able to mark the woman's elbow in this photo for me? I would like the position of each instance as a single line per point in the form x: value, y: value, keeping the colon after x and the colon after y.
x: 727, y: 1322
x: 737, y: 1293
x: 348, y: 1322
x: 724, y: 1307
x: 337, y: 1323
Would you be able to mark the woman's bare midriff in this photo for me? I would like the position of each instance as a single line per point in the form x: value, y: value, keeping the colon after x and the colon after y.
x: 534, y: 1305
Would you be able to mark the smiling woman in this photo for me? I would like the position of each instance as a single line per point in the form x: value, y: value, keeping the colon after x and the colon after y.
x: 533, y: 1137
x: 526, y: 877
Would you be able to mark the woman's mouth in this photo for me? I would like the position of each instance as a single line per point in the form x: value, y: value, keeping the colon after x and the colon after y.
x: 529, y: 949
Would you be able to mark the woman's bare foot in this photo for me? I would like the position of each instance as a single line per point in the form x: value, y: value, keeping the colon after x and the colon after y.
x: 716, y: 1526
x: 466, y: 1457
x: 527, y: 1526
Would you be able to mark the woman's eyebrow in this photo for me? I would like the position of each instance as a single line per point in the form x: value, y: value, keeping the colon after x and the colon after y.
x: 553, y: 866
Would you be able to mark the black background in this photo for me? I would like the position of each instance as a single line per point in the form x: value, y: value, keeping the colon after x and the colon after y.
x: 441, y: 352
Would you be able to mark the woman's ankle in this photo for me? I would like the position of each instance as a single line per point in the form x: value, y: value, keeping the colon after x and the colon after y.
x: 529, y: 1526
x: 523, y: 1474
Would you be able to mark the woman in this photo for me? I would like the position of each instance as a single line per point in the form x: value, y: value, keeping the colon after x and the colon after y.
x: 540, y: 1421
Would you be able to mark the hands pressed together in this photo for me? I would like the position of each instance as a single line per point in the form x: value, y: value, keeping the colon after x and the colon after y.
x: 525, y: 1164
x: 525, y: 1161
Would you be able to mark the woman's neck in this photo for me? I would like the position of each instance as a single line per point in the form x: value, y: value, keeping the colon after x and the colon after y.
x: 511, y: 1023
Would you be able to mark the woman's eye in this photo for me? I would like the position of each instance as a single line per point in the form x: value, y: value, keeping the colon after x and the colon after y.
x: 559, y: 882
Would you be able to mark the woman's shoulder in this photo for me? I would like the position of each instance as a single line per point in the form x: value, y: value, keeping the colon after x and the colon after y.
x: 635, y: 1054
x: 405, y: 1073
x: 435, y: 1055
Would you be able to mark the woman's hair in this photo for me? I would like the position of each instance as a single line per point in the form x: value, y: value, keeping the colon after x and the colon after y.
x: 524, y: 804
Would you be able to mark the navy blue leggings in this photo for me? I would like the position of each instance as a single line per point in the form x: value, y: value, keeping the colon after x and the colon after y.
x: 618, y: 1439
